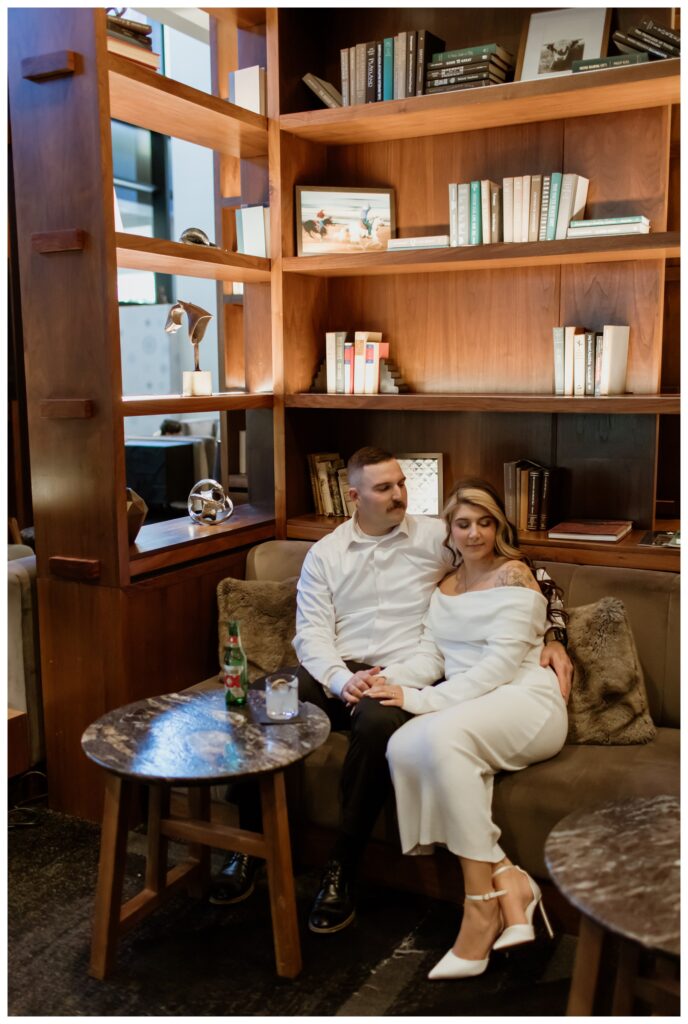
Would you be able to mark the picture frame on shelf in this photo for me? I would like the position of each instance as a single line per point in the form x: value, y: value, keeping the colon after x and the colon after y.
x: 335, y: 221
x: 552, y: 40
x: 424, y: 482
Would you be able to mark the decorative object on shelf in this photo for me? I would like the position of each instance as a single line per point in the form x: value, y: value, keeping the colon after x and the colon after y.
x: 391, y: 380
x: 208, y: 504
x: 424, y: 482
x: 196, y: 236
x: 554, y: 39
x: 661, y: 539
x: 196, y: 381
x: 130, y: 39
x: 137, y: 510
x: 343, y: 220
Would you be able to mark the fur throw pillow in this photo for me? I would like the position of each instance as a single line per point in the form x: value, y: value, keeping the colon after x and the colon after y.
x: 608, y: 701
x: 266, y: 613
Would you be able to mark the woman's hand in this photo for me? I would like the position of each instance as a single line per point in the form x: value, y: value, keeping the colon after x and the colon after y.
x: 554, y: 656
x: 392, y: 696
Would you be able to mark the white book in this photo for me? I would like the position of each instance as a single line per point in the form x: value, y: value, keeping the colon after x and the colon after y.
x: 609, y: 229
x: 574, y: 193
x: 252, y: 240
x: 569, y: 335
x: 331, y: 361
x: 247, y: 89
x: 508, y: 209
x: 464, y: 202
x: 525, y: 209
x: 485, y: 210
x: 453, y: 215
x: 360, y: 340
x: 518, y: 208
x: 419, y: 242
x: 614, y: 359
x: 558, y: 339
x: 579, y: 364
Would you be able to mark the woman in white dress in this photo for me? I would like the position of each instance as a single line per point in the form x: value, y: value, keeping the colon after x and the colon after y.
x: 497, y: 709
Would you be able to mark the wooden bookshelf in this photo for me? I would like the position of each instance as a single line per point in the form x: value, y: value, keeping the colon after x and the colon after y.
x: 148, y: 405
x: 142, y: 97
x: 139, y: 253
x: 612, y: 404
x: 608, y: 249
x: 638, y: 87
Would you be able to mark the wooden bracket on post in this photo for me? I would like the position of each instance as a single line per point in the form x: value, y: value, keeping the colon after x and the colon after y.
x: 67, y: 409
x: 50, y: 65
x: 66, y: 240
x: 75, y: 568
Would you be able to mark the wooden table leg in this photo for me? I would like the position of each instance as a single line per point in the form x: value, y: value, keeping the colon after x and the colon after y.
x: 199, y: 807
x: 156, y: 858
x: 585, y: 969
x: 624, y: 986
x: 113, y: 850
x: 285, y: 925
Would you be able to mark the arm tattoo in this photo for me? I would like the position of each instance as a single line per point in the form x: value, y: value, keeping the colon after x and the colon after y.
x: 514, y: 576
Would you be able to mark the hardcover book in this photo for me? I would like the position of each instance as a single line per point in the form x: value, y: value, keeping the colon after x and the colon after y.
x: 428, y: 44
x: 464, y: 214
x: 508, y: 209
x: 609, y: 530
x: 619, y: 60
x: 614, y: 359
x: 474, y: 51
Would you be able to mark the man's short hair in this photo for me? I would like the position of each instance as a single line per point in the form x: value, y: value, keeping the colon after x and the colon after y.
x: 368, y: 456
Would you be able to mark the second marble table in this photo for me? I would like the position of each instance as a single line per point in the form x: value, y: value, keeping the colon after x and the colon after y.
x: 191, y: 739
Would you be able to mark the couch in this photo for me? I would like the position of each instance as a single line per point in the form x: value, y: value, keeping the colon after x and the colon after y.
x: 527, y: 804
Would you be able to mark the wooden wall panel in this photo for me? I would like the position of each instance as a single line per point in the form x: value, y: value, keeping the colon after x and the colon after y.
x: 307, y: 315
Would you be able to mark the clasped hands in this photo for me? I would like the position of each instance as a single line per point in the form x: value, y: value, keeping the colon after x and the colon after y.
x: 369, y: 683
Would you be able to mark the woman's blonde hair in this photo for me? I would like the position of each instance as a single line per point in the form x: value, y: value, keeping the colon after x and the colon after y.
x: 480, y: 494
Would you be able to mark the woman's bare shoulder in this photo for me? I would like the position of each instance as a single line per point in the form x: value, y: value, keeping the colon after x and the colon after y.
x: 516, y: 574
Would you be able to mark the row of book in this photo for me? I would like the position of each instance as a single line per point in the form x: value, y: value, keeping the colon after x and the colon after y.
x: 353, y: 362
x: 131, y: 39
x: 528, y: 494
x: 330, y: 484
x: 387, y: 69
x: 253, y: 230
x: 590, y: 363
x: 525, y: 208
x: 657, y: 41
x: 469, y: 68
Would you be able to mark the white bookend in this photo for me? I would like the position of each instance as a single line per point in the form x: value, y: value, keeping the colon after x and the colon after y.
x: 558, y: 338
x: 464, y: 214
x: 579, y: 364
x: 525, y: 208
x: 331, y: 361
x: 518, y: 208
x: 508, y: 209
x: 247, y: 88
x: 614, y: 359
x: 453, y: 214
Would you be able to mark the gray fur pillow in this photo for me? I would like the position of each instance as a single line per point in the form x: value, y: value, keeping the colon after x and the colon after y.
x: 266, y: 612
x: 608, y: 703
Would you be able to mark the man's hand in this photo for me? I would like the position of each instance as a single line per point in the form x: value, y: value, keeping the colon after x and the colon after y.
x: 554, y: 656
x: 392, y: 696
x: 360, y: 682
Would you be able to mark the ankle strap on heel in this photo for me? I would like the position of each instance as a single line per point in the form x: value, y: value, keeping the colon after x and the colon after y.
x: 486, y: 895
x: 506, y: 867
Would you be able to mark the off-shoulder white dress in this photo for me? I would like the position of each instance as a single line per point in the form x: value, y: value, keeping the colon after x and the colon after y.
x: 497, y: 709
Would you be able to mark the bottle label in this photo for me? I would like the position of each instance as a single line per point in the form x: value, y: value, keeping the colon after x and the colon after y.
x: 234, y: 684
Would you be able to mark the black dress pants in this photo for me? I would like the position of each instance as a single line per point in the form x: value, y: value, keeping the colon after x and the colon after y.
x: 365, y: 780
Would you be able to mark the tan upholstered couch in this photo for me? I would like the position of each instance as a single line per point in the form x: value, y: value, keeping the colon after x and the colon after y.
x: 530, y: 802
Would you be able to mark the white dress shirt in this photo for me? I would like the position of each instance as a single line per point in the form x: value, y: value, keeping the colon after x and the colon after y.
x: 363, y: 598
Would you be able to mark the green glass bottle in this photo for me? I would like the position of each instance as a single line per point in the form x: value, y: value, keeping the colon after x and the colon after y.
x: 234, y: 673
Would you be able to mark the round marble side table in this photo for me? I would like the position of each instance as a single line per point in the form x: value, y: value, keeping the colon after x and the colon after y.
x: 191, y: 739
x: 619, y: 865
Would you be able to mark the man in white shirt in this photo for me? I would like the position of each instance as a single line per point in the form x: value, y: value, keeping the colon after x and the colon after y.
x: 362, y: 595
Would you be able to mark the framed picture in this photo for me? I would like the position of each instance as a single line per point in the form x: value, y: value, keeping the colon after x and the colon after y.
x: 423, y: 472
x: 343, y: 220
x: 554, y: 39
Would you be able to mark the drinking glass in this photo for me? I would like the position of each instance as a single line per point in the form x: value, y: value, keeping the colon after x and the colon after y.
x: 281, y: 696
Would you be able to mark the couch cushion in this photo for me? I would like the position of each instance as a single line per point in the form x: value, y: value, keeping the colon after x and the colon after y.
x: 608, y: 700
x: 266, y: 612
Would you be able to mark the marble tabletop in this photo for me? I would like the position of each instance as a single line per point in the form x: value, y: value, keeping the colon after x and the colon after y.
x: 193, y: 738
x: 619, y: 865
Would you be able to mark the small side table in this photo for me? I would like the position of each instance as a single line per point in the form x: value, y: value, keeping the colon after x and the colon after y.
x: 619, y: 865
x: 191, y: 739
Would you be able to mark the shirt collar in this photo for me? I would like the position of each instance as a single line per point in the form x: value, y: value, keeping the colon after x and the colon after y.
x: 359, y: 537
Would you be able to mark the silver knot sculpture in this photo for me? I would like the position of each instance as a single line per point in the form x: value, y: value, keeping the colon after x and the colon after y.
x: 198, y: 321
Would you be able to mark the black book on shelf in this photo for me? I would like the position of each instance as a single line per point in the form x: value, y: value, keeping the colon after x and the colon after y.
x: 629, y: 44
x: 646, y: 37
x: 371, y: 72
x: 427, y: 44
x: 660, y: 31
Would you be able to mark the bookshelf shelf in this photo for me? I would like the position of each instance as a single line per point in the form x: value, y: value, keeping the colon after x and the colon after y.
x: 521, y: 255
x: 595, y: 92
x: 147, y: 405
x: 160, y: 545
x: 507, y: 403
x: 139, y: 253
x: 142, y: 97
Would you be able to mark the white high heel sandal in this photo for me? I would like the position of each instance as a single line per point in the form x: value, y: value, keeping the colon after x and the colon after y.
x: 453, y: 966
x: 516, y: 934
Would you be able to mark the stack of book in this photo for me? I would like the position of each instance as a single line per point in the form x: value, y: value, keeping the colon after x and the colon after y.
x: 387, y: 69
x: 609, y: 530
x: 618, y: 60
x: 527, y: 494
x: 253, y: 230
x: 132, y: 40
x: 247, y: 89
x: 526, y: 208
x: 330, y: 484
x: 353, y: 362
x: 589, y: 363
x: 634, y: 224
x: 657, y: 41
x: 469, y: 68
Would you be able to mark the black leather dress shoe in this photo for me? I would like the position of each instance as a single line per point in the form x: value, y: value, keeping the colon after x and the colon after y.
x: 333, y: 908
x: 236, y: 880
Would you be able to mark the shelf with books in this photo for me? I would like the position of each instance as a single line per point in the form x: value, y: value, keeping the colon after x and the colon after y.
x: 144, y: 98
x: 155, y: 405
x: 500, y: 256
x: 600, y: 92
x: 625, y: 553
x: 312, y: 526
x: 506, y: 403
x: 139, y: 253
x: 161, y: 545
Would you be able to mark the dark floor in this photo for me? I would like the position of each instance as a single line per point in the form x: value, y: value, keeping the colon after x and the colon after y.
x: 194, y: 959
